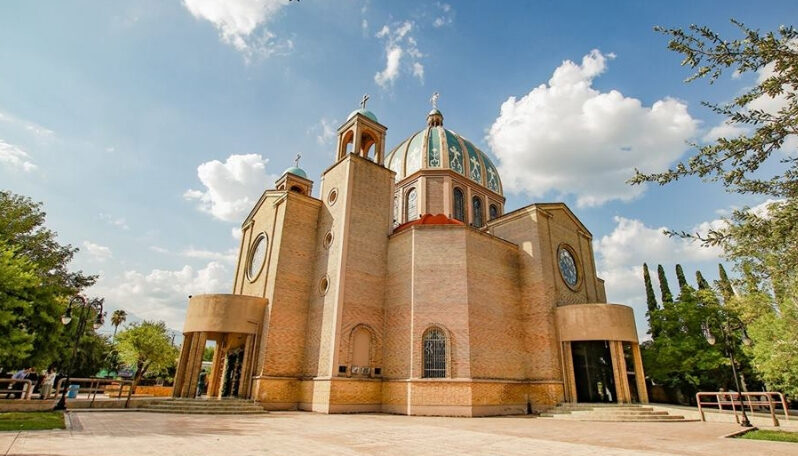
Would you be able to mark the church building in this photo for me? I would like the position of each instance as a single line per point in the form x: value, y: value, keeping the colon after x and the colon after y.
x: 407, y: 288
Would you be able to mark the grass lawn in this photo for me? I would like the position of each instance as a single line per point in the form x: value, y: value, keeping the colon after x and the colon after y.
x: 31, y: 421
x: 777, y: 436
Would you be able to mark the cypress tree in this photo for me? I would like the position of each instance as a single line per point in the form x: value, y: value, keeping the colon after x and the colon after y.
x: 725, y: 284
x: 651, y: 301
x: 680, y: 277
x: 667, y: 296
x: 702, y: 282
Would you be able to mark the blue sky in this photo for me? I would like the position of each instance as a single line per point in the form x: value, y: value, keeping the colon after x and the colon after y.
x: 147, y: 128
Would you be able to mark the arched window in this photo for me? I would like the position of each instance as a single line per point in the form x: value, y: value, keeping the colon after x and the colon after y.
x: 459, y: 205
x: 396, y: 221
x: 434, y: 353
x: 361, y: 351
x: 476, y: 206
x: 493, y: 211
x: 411, y: 205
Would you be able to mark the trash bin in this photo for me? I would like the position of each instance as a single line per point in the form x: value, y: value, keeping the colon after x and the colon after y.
x: 72, y: 392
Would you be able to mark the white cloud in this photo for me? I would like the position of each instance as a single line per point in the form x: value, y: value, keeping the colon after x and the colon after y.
x: 446, y: 16
x: 400, y: 46
x: 236, y: 233
x: 162, y: 294
x: 118, y: 222
x: 567, y: 137
x: 620, y: 256
x: 228, y: 256
x: 157, y: 249
x: 15, y: 157
x: 98, y: 253
x: 325, y: 131
x: 232, y: 187
x: 31, y: 127
x: 240, y: 24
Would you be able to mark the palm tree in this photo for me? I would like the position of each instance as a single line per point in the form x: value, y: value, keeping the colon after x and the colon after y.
x: 117, y: 318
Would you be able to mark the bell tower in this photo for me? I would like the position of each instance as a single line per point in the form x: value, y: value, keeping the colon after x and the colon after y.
x: 361, y: 134
x: 346, y: 303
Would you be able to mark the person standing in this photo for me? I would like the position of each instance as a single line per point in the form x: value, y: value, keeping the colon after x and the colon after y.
x: 47, y: 383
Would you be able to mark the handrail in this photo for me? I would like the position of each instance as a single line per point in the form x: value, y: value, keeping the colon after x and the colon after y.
x: 733, y: 399
x: 25, y: 393
x: 94, y: 386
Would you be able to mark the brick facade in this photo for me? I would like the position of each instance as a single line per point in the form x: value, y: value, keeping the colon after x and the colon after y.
x: 340, y: 281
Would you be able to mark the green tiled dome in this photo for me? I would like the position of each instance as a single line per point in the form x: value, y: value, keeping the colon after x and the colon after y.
x: 364, y: 112
x: 422, y: 150
x: 296, y: 172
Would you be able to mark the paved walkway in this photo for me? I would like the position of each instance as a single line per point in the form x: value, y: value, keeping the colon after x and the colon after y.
x: 291, y: 433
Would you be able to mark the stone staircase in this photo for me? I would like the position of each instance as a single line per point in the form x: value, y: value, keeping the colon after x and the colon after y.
x: 205, y: 407
x: 611, y: 412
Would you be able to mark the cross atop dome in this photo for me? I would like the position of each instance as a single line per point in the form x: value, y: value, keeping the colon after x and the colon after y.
x: 434, y: 118
x: 434, y: 100
x: 364, y: 100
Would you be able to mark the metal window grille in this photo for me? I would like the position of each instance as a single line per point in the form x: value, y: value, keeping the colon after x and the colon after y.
x: 434, y: 354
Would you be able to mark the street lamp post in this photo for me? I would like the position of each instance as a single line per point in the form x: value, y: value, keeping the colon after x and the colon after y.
x: 79, y: 304
x: 728, y: 327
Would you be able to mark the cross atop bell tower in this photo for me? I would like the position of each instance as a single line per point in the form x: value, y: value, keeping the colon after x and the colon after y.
x: 362, y: 134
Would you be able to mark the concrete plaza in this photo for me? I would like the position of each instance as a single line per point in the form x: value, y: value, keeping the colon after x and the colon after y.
x: 137, y: 433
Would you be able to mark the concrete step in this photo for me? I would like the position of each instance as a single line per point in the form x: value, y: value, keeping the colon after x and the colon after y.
x: 610, y: 412
x: 206, y: 407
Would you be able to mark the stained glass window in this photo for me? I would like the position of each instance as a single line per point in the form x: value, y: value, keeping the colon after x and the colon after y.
x: 476, y: 204
x: 459, y: 205
x: 411, y: 205
x: 493, y: 211
x: 568, y: 267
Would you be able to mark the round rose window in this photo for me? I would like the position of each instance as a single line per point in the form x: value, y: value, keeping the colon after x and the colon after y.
x: 257, y: 256
x: 568, y: 267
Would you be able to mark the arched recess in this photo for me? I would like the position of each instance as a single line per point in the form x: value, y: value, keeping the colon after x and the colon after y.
x: 347, y: 144
x: 436, y: 353
x: 362, y: 351
x: 367, y: 146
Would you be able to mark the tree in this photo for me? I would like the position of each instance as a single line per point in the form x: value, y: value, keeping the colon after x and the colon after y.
x: 762, y: 243
x: 703, y: 285
x: 667, y: 296
x: 36, y: 283
x: 724, y: 284
x: 680, y: 277
x: 147, y: 346
x: 651, y: 302
x: 207, y: 354
x: 117, y: 318
x: 18, y: 281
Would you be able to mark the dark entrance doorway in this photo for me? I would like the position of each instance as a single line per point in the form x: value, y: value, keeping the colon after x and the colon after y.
x: 232, y: 373
x: 593, y: 371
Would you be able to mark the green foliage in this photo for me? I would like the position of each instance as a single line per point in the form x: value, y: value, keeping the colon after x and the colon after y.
x: 117, y: 318
x: 771, y: 324
x: 776, y: 436
x: 147, y: 346
x: 17, y: 283
x: 680, y: 277
x: 724, y: 284
x: 733, y: 161
x: 207, y: 354
x: 667, y: 296
x: 35, y: 284
x: 31, y: 421
x: 680, y: 357
x: 651, y: 302
x: 701, y: 281
x: 763, y: 244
